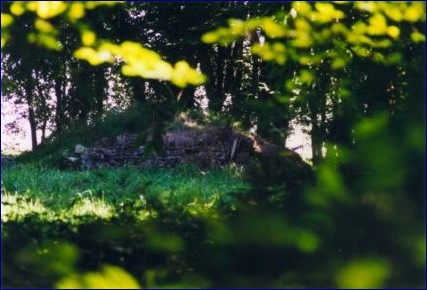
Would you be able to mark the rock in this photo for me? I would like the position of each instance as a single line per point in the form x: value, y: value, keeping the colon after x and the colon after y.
x: 80, y: 149
x: 206, y: 148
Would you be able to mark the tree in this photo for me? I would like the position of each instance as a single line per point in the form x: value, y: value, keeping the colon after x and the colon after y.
x: 79, y: 89
x: 351, y: 66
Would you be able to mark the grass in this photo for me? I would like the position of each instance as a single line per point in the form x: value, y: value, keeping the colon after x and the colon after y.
x: 69, y: 195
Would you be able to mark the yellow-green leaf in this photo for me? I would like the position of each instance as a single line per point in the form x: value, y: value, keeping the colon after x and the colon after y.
x: 92, y: 56
x: 302, y: 24
x: 369, y: 6
x: 4, y: 39
x: 418, y: 37
x: 306, y: 77
x: 110, y: 277
x: 338, y: 63
x: 415, y: 12
x: 44, y: 26
x: 302, y: 7
x: 112, y: 48
x: 6, y: 20
x: 184, y: 74
x: 393, y: 31
x: 210, y: 37
x: 17, y: 8
x: 47, y: 9
x: 326, y: 13
x: 273, y: 29
x: 303, y: 40
x: 88, y: 37
x: 377, y: 24
x: 363, y: 273
x: 237, y: 26
x: 76, y: 11
x: 394, y: 13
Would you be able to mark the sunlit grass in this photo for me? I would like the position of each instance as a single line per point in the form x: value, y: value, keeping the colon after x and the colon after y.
x: 16, y: 208
x: 52, y: 194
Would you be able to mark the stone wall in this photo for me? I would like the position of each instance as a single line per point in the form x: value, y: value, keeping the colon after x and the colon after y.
x: 207, y: 148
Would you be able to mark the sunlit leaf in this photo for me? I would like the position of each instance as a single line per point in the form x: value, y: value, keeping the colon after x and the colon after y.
x: 88, y: 37
x: 302, y: 25
x: 338, y: 63
x: 6, y: 20
x: 339, y: 28
x: 303, y: 40
x: 47, y: 9
x: 253, y: 23
x: 306, y: 77
x: 48, y: 41
x: 263, y: 51
x: 112, y: 48
x: 92, y: 56
x: 366, y: 273
x: 369, y: 6
x: 183, y: 74
x: 394, y: 13
x: 273, y: 29
x: 44, y: 26
x: 326, y: 12
x: 110, y: 277
x: 4, y: 39
x: 393, y: 31
x: 237, y: 26
x: 302, y: 7
x: 415, y: 12
x: 93, y: 4
x: 362, y: 51
x: 17, y: 8
x: 76, y: 11
x: 418, y: 37
x: 359, y: 27
x: 156, y: 70
x: 377, y: 24
x: 210, y: 37
x: 384, y: 43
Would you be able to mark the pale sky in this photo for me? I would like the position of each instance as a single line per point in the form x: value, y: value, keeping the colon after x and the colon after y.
x: 14, y: 142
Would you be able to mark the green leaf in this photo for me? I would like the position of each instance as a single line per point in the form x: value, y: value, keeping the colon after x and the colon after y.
x: 110, y: 277
x: 363, y: 273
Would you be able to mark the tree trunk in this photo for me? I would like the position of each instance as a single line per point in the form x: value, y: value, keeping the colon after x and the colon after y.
x: 316, y: 142
x: 59, y: 105
x: 33, y: 125
x: 44, y: 126
x: 31, y: 115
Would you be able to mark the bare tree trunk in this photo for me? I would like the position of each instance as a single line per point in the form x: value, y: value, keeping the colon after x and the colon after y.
x: 44, y: 125
x: 33, y: 126
x: 316, y: 142
x: 31, y: 116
